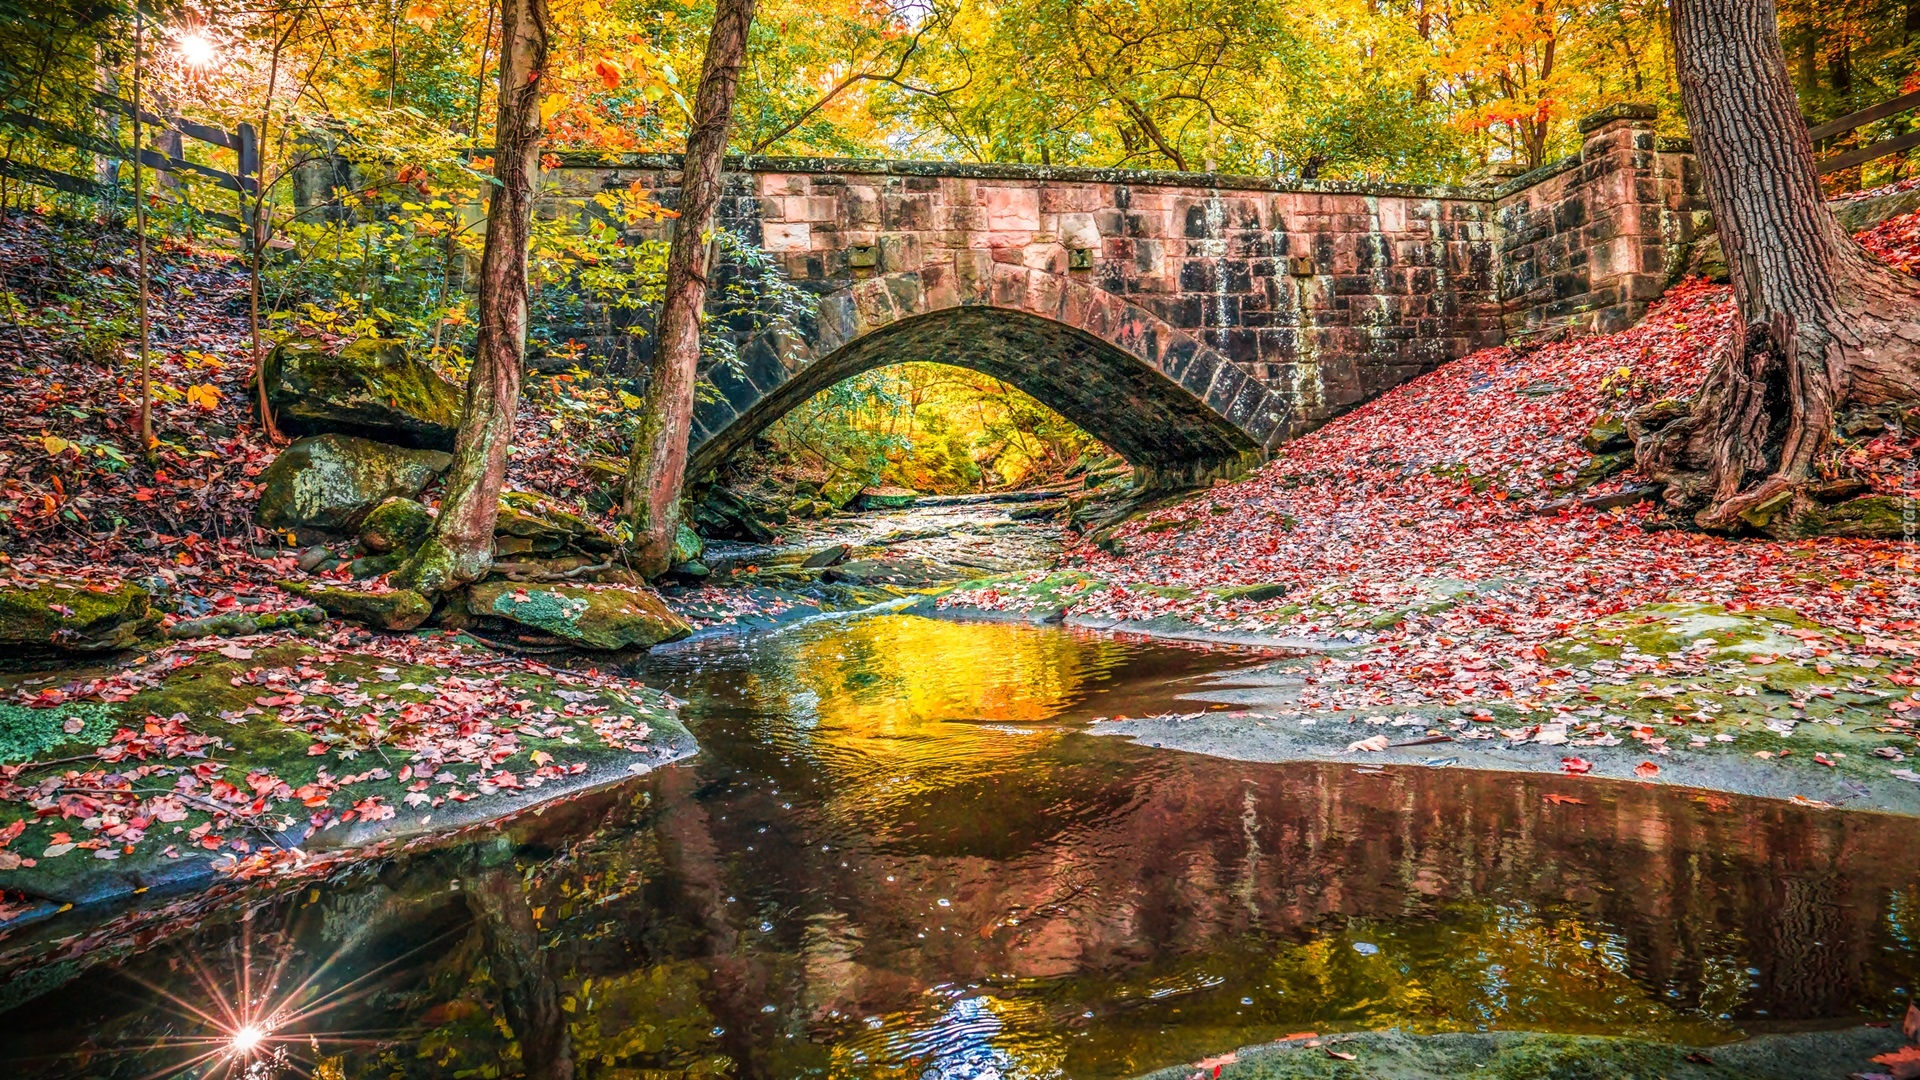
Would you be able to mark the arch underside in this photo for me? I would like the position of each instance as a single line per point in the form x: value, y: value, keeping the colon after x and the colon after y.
x: 1157, y: 425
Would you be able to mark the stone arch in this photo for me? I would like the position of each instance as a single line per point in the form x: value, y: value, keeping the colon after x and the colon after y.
x: 1175, y: 408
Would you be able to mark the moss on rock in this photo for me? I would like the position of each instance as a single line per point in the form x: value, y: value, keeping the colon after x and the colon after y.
x: 394, y: 609
x: 606, y: 617
x: 371, y: 388
x: 331, y: 482
x: 529, y: 524
x: 1875, y: 517
x: 396, y: 525
x: 74, y: 616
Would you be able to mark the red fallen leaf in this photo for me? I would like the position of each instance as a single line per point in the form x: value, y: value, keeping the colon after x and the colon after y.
x: 1216, y: 1063
x: 1903, y: 1063
x: 1824, y: 760
x: 1576, y: 765
x: 1558, y: 799
x: 1646, y: 770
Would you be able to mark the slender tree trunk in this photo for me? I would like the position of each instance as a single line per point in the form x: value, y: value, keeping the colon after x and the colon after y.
x: 258, y: 232
x: 140, y: 242
x: 460, y: 549
x: 1821, y: 323
x: 659, y: 463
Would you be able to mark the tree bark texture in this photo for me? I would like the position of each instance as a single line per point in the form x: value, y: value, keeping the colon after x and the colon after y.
x: 460, y: 549
x: 1821, y: 323
x: 659, y: 463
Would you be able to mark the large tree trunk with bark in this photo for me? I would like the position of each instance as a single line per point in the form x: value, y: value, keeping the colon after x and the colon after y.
x: 1822, y: 325
x: 460, y: 549
x: 659, y: 463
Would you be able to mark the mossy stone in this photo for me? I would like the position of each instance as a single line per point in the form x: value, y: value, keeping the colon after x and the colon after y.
x: 397, y: 524
x: 70, y: 615
x: 371, y: 387
x: 544, y: 527
x: 331, y: 482
x: 687, y: 546
x: 1607, y: 435
x: 1251, y: 593
x: 395, y: 609
x: 1875, y: 517
x: 608, y: 617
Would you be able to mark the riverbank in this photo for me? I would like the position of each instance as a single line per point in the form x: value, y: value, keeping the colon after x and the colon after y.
x: 1520, y: 1055
x: 1471, y: 568
x: 268, y: 754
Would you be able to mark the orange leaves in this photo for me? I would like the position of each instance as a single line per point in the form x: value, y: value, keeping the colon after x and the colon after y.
x: 610, y: 72
x: 205, y: 397
x: 1557, y: 799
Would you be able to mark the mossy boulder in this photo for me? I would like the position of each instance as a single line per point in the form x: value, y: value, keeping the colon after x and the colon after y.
x: 608, y: 617
x: 687, y: 546
x: 391, y: 609
x: 396, y: 525
x: 74, y: 616
x: 529, y: 524
x: 331, y: 482
x: 1250, y: 594
x: 1875, y: 517
x: 371, y: 388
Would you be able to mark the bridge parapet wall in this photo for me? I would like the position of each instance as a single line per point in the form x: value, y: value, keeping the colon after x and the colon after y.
x: 1324, y: 294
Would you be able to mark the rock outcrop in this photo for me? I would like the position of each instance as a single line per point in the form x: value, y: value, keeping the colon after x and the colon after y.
x: 371, y: 388
x: 387, y: 609
x: 74, y: 616
x: 605, y: 617
x: 331, y: 482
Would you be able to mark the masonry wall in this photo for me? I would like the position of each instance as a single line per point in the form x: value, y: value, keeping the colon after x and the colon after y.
x: 1330, y: 295
x: 1589, y: 242
x: 1327, y: 294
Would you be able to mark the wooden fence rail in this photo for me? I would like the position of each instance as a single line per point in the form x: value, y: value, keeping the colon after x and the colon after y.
x: 1852, y: 121
x: 245, y: 181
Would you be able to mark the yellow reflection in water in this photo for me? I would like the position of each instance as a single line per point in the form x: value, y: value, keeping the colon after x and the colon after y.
x: 913, y: 704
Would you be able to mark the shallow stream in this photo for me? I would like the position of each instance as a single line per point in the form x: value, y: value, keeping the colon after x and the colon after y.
x: 900, y: 854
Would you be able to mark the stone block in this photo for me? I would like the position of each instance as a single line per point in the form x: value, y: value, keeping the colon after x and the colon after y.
x: 779, y: 237
x: 1011, y: 208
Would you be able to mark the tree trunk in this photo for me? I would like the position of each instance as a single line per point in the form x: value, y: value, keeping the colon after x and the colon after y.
x: 460, y: 549
x: 659, y: 463
x: 1821, y: 323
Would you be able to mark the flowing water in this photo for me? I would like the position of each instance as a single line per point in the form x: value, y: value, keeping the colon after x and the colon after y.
x: 900, y: 855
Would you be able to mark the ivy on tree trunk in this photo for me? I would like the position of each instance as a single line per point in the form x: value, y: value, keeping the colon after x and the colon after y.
x: 460, y: 549
x: 1821, y: 324
x: 659, y: 463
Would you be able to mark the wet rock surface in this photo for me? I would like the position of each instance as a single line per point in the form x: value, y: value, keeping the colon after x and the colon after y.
x: 604, y: 617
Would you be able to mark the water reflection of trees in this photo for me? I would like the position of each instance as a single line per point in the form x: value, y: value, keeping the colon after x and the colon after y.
x: 1488, y: 906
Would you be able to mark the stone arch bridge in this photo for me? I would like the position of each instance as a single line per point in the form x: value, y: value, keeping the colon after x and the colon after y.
x: 1191, y: 322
